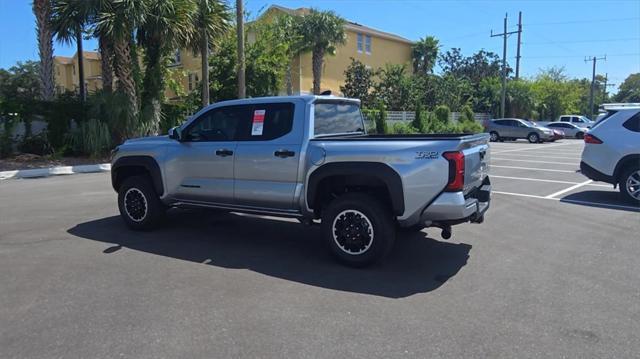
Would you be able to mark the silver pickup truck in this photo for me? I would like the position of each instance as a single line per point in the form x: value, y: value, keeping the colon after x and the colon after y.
x: 307, y: 157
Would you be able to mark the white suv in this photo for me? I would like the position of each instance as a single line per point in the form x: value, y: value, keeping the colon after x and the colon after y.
x: 612, y: 151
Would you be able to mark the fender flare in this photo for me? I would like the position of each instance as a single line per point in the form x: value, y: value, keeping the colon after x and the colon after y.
x: 380, y: 171
x: 146, y: 162
x: 624, y: 161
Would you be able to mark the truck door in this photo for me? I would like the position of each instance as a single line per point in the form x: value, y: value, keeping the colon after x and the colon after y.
x: 200, y: 167
x: 268, y: 155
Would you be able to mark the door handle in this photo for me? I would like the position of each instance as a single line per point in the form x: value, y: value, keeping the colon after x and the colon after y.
x: 284, y: 153
x: 224, y: 153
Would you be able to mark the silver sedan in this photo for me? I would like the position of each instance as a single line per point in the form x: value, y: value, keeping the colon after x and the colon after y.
x: 569, y: 129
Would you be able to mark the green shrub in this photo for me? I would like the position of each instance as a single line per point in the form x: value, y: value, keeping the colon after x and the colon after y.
x: 442, y: 113
x: 402, y: 128
x: 419, y: 122
x: 36, y: 144
x: 92, y: 138
x: 471, y: 127
x: 381, y: 120
x: 467, y: 114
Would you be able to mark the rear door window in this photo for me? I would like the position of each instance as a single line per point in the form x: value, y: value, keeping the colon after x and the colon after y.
x: 267, y: 122
x: 337, y: 117
x: 633, y: 124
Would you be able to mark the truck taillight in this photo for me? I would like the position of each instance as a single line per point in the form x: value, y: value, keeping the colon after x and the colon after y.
x: 456, y: 171
x: 592, y: 139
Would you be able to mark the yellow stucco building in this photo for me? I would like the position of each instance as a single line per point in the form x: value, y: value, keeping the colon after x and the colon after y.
x: 372, y: 47
x: 65, y: 72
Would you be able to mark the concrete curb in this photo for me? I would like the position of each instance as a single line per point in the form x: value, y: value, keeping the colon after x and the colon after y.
x: 54, y: 171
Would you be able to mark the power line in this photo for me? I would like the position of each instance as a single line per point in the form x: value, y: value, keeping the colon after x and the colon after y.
x: 583, y: 21
x: 583, y: 41
x: 574, y: 56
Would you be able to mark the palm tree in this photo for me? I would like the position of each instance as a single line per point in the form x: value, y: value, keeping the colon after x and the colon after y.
x: 116, y: 21
x: 424, y: 53
x: 166, y: 27
x: 106, y: 64
x: 320, y: 32
x: 68, y: 22
x: 210, y: 22
x: 242, y: 91
x: 42, y: 11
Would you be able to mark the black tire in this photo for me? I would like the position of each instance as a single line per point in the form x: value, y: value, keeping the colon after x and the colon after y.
x: 495, y: 137
x: 142, y: 210
x: 533, y: 137
x: 358, y: 229
x: 580, y: 135
x: 629, y: 183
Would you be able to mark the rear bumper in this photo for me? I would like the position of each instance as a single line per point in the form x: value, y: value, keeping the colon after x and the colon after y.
x: 594, y: 174
x: 454, y: 208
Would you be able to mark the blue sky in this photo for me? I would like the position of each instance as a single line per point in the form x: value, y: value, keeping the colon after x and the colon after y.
x: 555, y: 33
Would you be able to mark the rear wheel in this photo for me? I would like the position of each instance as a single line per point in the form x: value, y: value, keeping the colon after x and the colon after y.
x: 358, y: 229
x: 630, y: 184
x: 533, y: 137
x: 139, y: 205
x: 494, y: 137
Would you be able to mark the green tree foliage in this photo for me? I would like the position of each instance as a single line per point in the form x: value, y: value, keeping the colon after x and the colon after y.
x: 419, y: 122
x: 424, y: 54
x: 629, y: 90
x: 520, y: 101
x: 466, y: 115
x: 358, y: 82
x: 393, y: 87
x: 320, y: 32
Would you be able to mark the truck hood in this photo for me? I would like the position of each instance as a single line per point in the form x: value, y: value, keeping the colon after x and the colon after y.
x: 152, y: 139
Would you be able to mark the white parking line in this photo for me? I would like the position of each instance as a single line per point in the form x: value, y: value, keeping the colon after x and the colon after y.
x: 534, y: 161
x: 543, y: 155
x: 569, y: 189
x: 534, y: 148
x: 547, y: 180
x: 588, y: 203
x: 533, y: 169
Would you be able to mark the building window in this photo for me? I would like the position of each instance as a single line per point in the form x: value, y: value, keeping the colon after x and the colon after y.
x: 367, y: 45
x: 360, y: 42
x: 177, y: 58
x: 190, y: 82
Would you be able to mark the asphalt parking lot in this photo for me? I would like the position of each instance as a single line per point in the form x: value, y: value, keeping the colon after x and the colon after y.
x: 552, y: 272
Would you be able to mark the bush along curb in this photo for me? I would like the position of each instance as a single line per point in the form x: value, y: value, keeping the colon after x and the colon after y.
x: 54, y: 171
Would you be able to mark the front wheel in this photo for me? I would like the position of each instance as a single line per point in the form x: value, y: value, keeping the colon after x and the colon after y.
x: 630, y: 184
x: 533, y: 137
x: 358, y: 229
x: 139, y: 205
x: 494, y: 137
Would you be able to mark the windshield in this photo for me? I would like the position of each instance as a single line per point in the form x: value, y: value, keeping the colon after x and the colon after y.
x: 332, y: 118
x: 528, y: 123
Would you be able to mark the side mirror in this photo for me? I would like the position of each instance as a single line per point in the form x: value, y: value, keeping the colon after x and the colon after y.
x: 174, y: 133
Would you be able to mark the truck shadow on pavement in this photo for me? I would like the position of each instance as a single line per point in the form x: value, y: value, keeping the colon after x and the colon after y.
x: 286, y: 250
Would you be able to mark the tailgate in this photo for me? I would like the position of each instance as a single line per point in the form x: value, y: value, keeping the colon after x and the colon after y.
x: 476, y: 164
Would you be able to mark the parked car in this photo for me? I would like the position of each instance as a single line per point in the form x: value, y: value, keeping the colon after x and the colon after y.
x: 569, y: 129
x: 557, y: 134
x: 514, y: 128
x: 612, y: 151
x: 307, y: 157
x: 581, y: 121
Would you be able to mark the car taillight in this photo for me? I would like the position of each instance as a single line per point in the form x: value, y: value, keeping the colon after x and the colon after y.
x: 456, y: 171
x: 592, y: 139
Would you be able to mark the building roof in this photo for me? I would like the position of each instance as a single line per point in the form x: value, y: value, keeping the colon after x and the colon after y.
x: 88, y: 55
x: 350, y: 25
x: 63, y: 60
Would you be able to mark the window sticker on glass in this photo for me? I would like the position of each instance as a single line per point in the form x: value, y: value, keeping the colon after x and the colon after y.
x: 258, y: 122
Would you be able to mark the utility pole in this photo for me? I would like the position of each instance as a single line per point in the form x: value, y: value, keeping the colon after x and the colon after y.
x: 504, y: 35
x: 519, y: 43
x: 240, y: 30
x: 593, y: 82
x: 604, y: 87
